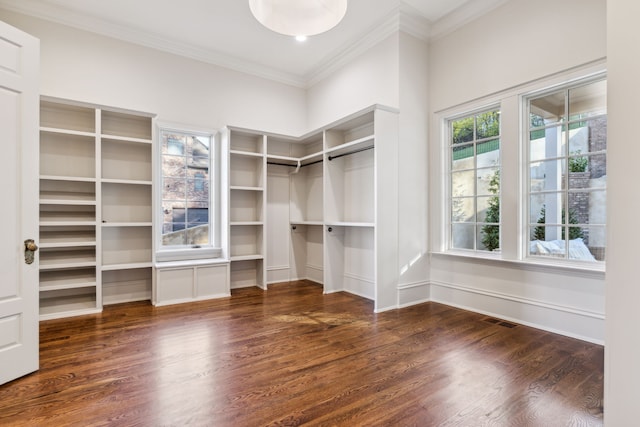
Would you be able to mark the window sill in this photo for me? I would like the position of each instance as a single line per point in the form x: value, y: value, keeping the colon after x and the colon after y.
x: 534, y: 264
x: 189, y: 254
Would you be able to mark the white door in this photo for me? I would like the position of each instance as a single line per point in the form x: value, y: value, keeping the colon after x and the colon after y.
x: 19, y: 169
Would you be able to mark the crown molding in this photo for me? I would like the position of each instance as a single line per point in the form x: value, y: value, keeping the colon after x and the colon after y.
x: 402, y: 18
x: 84, y: 22
x: 373, y: 36
x: 470, y: 11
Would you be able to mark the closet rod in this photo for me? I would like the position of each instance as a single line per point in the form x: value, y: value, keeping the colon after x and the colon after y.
x: 350, y: 152
x: 293, y: 166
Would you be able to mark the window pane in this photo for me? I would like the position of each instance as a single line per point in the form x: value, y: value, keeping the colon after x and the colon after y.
x: 185, y: 189
x: 173, y: 144
x: 551, y: 108
x: 462, y: 157
x: 198, y: 235
x: 588, y: 100
x: 488, y: 153
x: 550, y: 247
x: 488, y: 124
x: 488, y: 181
x: 175, y: 238
x: 462, y: 183
x: 462, y: 209
x: 173, y: 189
x: 547, y: 209
x: 598, y: 207
x: 595, y: 239
x: 198, y: 190
x: 475, y: 180
x: 547, y: 175
x: 462, y: 130
x: 198, y: 166
x: 173, y: 166
x: 462, y: 236
x: 488, y: 209
x: 489, y: 238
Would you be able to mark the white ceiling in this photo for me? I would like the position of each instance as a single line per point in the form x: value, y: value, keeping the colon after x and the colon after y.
x: 224, y: 32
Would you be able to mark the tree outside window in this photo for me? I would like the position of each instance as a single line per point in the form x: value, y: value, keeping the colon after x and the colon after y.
x: 474, y: 146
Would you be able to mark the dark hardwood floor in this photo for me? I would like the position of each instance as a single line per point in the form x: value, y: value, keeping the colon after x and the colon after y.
x: 293, y: 356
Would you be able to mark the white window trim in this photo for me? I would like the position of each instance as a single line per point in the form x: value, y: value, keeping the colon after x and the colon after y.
x: 196, y: 252
x: 447, y: 151
x: 513, y: 173
x: 526, y: 175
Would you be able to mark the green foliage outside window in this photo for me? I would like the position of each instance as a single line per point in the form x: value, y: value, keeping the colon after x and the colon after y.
x: 578, y: 164
x: 574, y: 232
x: 491, y: 232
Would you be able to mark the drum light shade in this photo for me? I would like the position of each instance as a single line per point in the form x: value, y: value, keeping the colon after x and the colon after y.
x: 299, y: 17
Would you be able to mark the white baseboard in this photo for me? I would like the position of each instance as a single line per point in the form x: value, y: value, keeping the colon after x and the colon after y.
x: 564, y: 320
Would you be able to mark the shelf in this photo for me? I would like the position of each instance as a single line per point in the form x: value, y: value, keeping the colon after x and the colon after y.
x: 67, y: 155
x: 126, y: 245
x: 67, y: 236
x: 126, y: 181
x: 63, y: 245
x: 66, y: 178
x: 67, y: 213
x: 66, y: 223
x: 67, y: 279
x: 123, y: 139
x: 239, y: 223
x: 55, y: 304
x: 246, y: 154
x: 246, y: 257
x: 57, y: 199
x: 128, y: 126
x: 350, y: 224
x: 356, y: 145
x: 306, y: 223
x: 282, y: 160
x: 126, y: 224
x: 48, y: 266
x: 244, y: 141
x: 126, y: 161
x: 242, y: 188
x: 45, y: 129
x: 311, y: 158
x: 126, y: 266
x: 71, y: 257
x: 123, y: 203
x: 246, y: 171
x: 67, y: 117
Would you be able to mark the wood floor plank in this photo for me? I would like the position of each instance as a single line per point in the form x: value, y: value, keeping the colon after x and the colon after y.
x: 292, y: 356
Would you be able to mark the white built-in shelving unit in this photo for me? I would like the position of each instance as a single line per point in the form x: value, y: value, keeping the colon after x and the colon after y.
x: 313, y: 207
x: 247, y: 181
x: 96, y: 196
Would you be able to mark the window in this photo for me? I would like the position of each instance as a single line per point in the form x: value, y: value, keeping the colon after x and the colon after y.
x: 474, y: 178
x: 567, y: 172
x: 186, y: 203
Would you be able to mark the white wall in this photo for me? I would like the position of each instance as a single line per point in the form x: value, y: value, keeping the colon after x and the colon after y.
x: 622, y: 352
x: 87, y: 67
x: 519, y: 41
x: 516, y: 43
x: 371, y: 78
x: 413, y: 262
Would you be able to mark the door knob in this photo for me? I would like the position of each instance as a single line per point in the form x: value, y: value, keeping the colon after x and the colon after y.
x: 30, y: 249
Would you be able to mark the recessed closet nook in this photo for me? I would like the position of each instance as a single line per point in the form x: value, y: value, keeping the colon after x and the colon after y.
x: 308, y: 207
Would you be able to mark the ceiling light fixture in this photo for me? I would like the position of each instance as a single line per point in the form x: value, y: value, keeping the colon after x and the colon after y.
x: 298, y: 17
